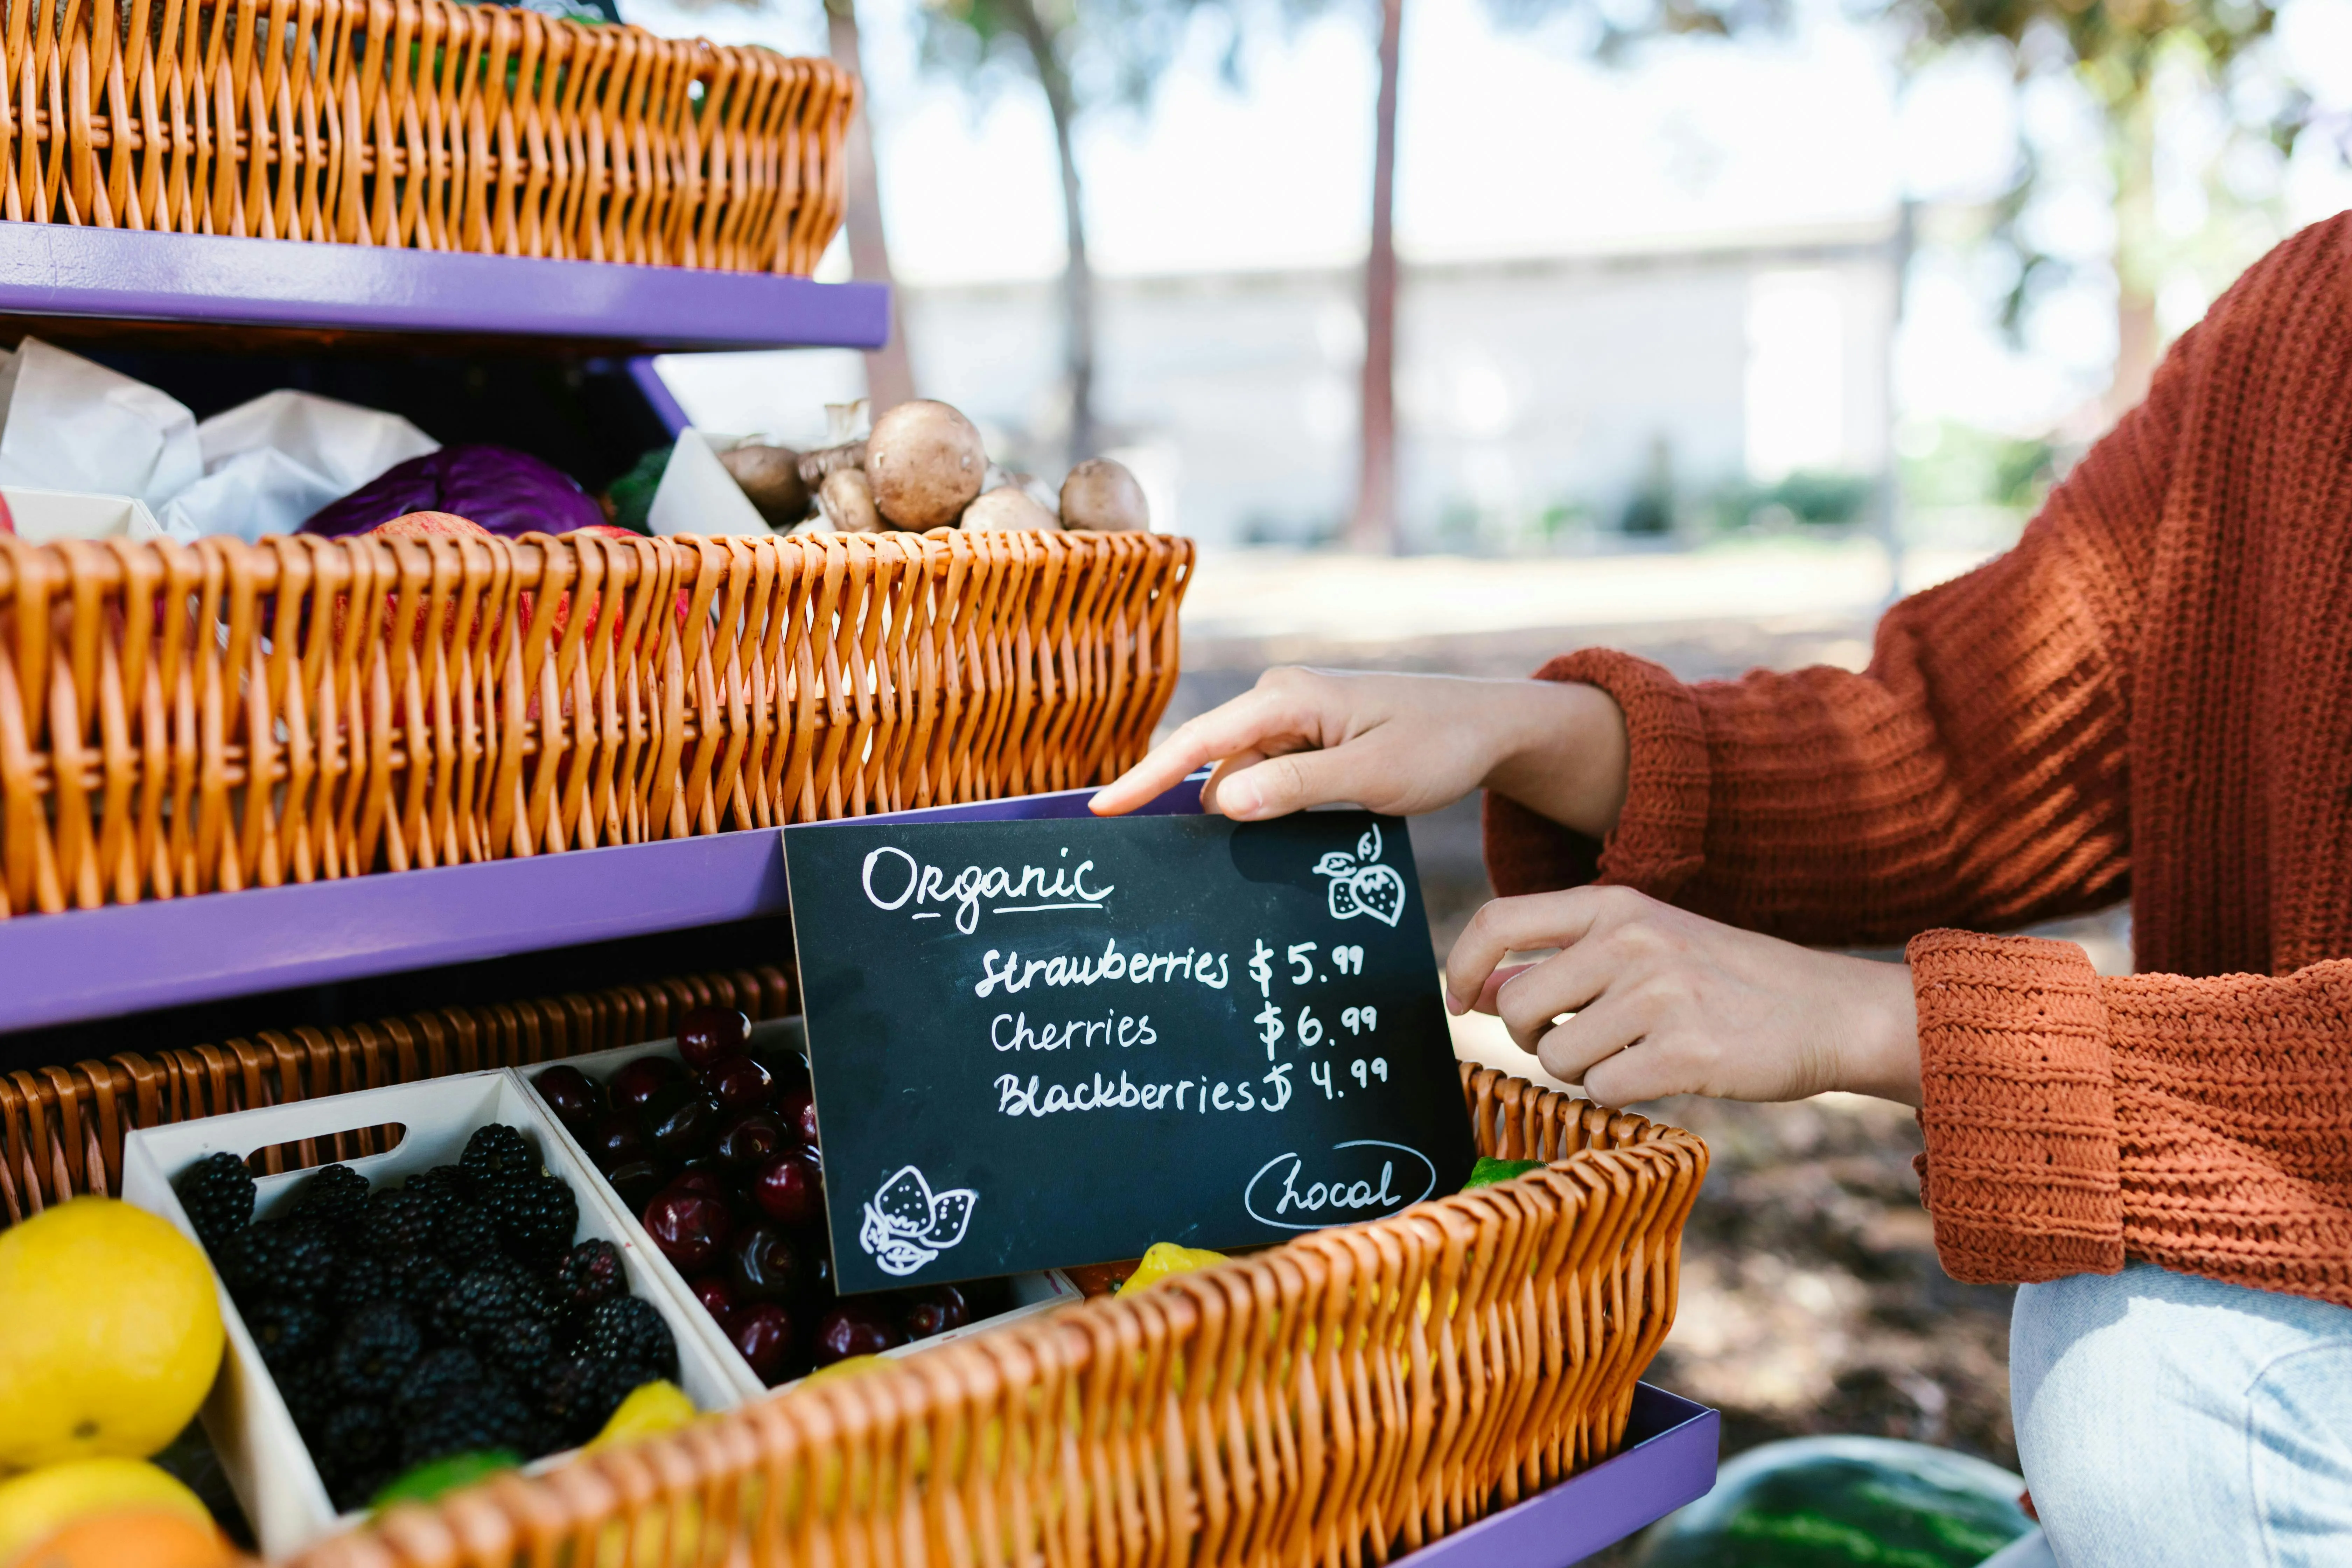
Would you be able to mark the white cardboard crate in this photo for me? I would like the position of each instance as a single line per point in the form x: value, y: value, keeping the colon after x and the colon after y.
x: 1031, y: 1293
x: 260, y: 1451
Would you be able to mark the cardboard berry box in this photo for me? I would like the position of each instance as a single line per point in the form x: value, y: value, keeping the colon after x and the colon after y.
x: 1030, y: 1293
x: 261, y: 1452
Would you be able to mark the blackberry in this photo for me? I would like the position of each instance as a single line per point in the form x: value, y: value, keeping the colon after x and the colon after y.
x: 531, y: 1286
x: 578, y: 1395
x: 437, y: 1377
x: 476, y: 1307
x: 522, y: 1349
x: 467, y: 1232
x: 488, y: 1415
x: 374, y: 1352
x: 333, y: 1197
x: 285, y: 1331
x: 496, y: 1150
x: 628, y: 1334
x: 420, y: 1282
x: 272, y: 1260
x: 364, y: 1279
x: 537, y: 1215
x: 303, y: 1386
x: 398, y: 1223
x: 589, y: 1273
x: 217, y: 1193
x: 442, y: 1188
x: 354, y: 1443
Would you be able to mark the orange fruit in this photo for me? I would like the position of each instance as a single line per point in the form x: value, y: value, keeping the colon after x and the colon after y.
x: 147, y: 1539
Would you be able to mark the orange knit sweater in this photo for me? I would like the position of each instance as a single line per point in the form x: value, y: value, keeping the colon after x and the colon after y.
x: 2151, y: 694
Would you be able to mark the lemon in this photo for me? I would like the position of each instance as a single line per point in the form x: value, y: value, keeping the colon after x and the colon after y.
x: 651, y: 1409
x: 34, y: 1506
x: 847, y: 1367
x: 113, y: 1333
x: 1164, y: 1260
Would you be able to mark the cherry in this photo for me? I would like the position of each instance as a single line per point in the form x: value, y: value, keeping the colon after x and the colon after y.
x: 717, y: 1296
x: 796, y: 1108
x: 712, y: 1034
x: 856, y: 1329
x: 706, y: 1182
x: 614, y: 1140
x: 681, y: 1119
x: 642, y: 1079
x: 691, y: 1228
x: 935, y: 1310
x: 751, y: 1139
x: 763, y: 1334
x: 738, y: 1083
x: 788, y: 1188
x: 763, y: 1266
x: 637, y: 1182
x: 577, y: 1099
x: 788, y: 1067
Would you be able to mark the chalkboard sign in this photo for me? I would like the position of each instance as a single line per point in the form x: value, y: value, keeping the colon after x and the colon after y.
x: 1040, y: 1042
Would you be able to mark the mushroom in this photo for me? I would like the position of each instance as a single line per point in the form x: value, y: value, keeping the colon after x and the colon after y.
x: 926, y: 463
x: 817, y: 466
x: 1103, y: 496
x: 847, y: 502
x: 1008, y: 509
x: 771, y: 480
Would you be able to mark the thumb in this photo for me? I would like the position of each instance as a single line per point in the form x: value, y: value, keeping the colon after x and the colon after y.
x: 1277, y: 786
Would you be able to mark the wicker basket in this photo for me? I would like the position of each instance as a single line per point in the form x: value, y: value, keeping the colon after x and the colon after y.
x: 1350, y: 1395
x: 61, y: 1128
x: 178, y: 719
x: 422, y: 124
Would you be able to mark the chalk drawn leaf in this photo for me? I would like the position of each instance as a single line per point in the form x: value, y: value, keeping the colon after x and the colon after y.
x: 1335, y: 863
x: 901, y: 1259
x: 1368, y: 847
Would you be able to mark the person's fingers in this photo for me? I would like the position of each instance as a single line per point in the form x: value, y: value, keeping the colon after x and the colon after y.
x: 1598, y: 1033
x: 1279, y: 784
x: 1649, y: 1070
x: 1212, y: 788
x: 1536, y: 920
x: 1566, y: 982
x: 1495, y: 983
x: 1230, y: 728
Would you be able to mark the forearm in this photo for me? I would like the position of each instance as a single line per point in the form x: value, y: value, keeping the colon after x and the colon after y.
x: 1559, y: 750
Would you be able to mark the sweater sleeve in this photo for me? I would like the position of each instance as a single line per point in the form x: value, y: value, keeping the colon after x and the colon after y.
x: 2073, y: 1120
x: 1973, y: 774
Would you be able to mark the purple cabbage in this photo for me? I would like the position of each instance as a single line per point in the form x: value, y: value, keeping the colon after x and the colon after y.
x: 506, y: 491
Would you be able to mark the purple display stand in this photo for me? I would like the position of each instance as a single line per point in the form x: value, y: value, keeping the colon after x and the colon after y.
x: 62, y: 271
x: 1668, y: 1461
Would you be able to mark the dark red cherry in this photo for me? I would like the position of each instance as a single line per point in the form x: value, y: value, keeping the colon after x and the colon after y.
x: 934, y: 1310
x: 718, y: 1297
x: 853, y: 1330
x: 709, y: 1183
x: 796, y: 1108
x: 762, y: 1333
x: 680, y: 1119
x: 642, y: 1079
x: 738, y: 1083
x: 638, y: 1181
x: 750, y: 1139
x: 614, y: 1140
x: 691, y: 1228
x: 788, y: 1189
x: 763, y: 1266
x: 710, y: 1035
x: 577, y: 1099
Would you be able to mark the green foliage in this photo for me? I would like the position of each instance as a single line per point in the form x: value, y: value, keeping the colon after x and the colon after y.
x: 1964, y: 465
x: 1818, y: 498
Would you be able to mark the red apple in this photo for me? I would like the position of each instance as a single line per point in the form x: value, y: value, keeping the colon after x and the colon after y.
x: 762, y: 1333
x: 709, y: 1035
x: 642, y: 1079
x: 740, y: 1083
x: 691, y: 1228
x: 853, y: 1330
x: 788, y: 1189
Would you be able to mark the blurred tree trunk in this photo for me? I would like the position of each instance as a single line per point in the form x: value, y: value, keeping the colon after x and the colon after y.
x: 1373, y: 528
x: 1077, y: 275
x: 890, y: 373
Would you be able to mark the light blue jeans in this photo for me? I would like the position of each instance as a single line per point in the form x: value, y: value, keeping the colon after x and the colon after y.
x: 2166, y: 1419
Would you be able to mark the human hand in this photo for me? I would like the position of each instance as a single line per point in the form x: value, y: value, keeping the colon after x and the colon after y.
x: 1665, y: 1001
x: 1395, y: 743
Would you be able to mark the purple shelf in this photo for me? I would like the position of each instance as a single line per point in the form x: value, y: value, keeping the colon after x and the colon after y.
x: 1668, y: 1461
x: 127, y: 958
x: 59, y: 271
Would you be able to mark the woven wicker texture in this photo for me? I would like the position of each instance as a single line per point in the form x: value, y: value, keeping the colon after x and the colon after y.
x: 61, y: 1128
x: 178, y: 719
x: 422, y: 124
x: 1336, y: 1400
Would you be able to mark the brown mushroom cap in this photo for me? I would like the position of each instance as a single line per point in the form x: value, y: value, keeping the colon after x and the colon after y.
x: 848, y: 502
x: 816, y: 465
x: 1103, y: 496
x: 926, y: 463
x: 1008, y: 509
x: 770, y: 477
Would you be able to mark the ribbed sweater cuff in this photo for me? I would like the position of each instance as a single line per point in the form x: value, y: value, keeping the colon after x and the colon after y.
x: 1658, y: 844
x: 2019, y: 1107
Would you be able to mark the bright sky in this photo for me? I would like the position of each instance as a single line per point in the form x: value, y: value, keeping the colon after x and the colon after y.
x: 1514, y: 145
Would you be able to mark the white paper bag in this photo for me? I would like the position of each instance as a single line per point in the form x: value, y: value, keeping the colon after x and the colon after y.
x: 270, y: 463
x: 698, y: 495
x: 73, y: 425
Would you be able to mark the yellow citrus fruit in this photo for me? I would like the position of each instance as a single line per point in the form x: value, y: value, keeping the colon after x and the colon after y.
x: 145, y: 1538
x: 651, y: 1409
x: 113, y: 1333
x: 847, y: 1367
x: 1165, y: 1260
x: 37, y: 1504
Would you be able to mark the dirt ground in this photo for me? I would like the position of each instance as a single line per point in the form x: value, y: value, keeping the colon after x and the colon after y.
x: 1811, y: 1300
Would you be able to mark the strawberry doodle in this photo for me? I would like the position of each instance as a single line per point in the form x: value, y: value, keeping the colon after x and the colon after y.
x: 1360, y: 885
x: 907, y: 1225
